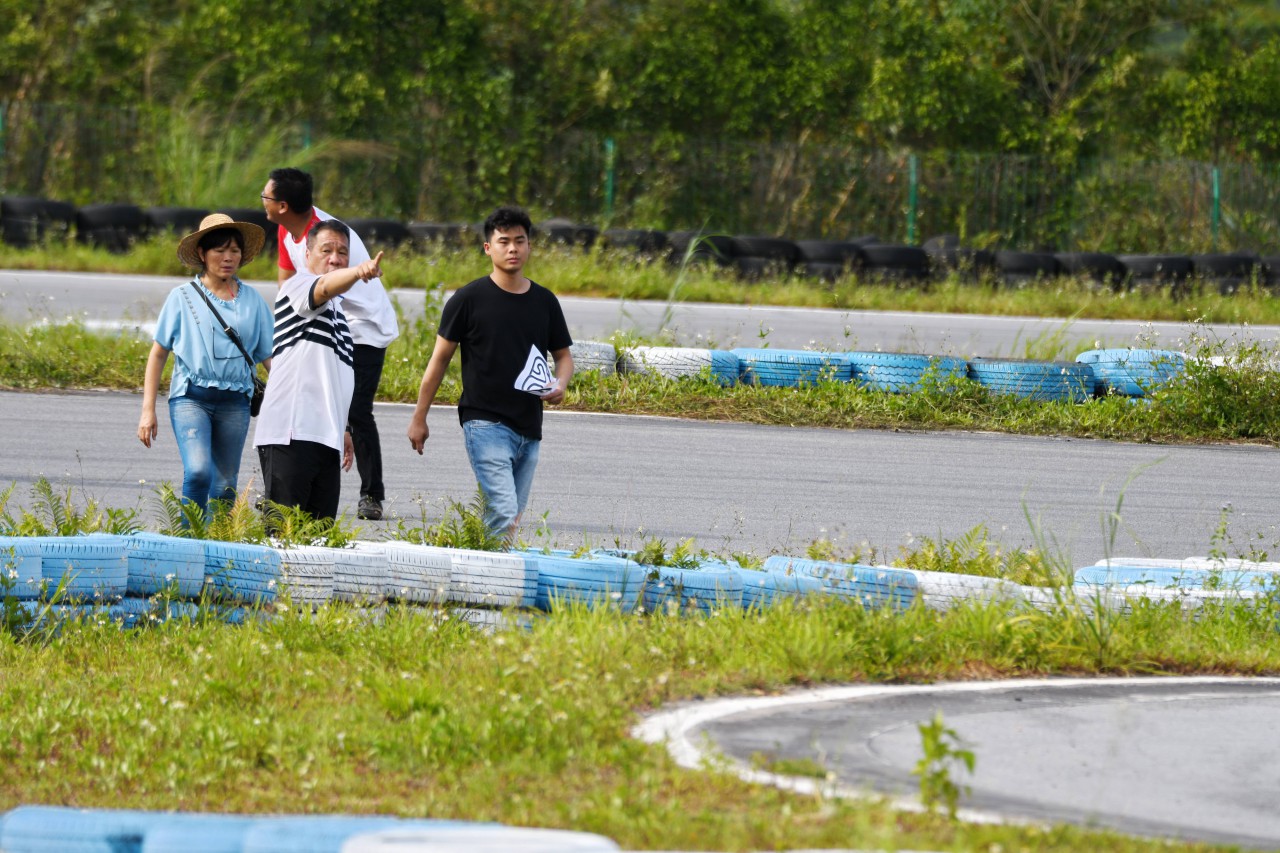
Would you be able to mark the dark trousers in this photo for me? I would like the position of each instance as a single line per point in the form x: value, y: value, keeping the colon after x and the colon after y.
x: 304, y: 474
x: 364, y: 431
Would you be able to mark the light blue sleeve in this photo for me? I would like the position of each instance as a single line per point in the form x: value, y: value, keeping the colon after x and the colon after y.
x: 169, y: 324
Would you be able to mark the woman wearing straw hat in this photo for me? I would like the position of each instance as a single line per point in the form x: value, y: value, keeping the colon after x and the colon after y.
x: 212, y: 382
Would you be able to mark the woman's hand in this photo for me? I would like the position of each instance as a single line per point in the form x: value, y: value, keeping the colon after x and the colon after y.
x: 147, y: 426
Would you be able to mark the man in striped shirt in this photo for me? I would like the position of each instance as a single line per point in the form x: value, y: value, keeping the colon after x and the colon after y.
x: 302, y: 439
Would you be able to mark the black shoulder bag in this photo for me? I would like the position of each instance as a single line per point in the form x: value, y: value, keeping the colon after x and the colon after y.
x: 259, y: 387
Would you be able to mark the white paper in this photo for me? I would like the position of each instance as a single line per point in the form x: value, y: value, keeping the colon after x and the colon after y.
x: 536, y: 378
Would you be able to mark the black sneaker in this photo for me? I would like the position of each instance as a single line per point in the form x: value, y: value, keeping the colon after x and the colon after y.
x: 370, y: 509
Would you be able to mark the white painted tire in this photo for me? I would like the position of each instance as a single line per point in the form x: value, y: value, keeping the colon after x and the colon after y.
x: 591, y: 355
x: 306, y: 574
x: 720, y: 366
x: 491, y: 578
x: 360, y: 575
x: 416, y: 574
x: 479, y: 839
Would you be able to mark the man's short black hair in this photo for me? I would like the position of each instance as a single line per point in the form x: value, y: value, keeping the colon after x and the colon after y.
x: 335, y: 225
x: 294, y: 188
x: 504, y: 219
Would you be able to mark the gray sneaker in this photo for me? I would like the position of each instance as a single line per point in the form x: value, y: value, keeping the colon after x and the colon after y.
x: 369, y: 509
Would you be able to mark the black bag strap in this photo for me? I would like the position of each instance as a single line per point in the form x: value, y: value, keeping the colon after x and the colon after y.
x: 231, y: 333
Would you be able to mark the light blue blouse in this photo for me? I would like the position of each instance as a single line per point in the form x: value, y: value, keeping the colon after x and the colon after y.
x: 203, y: 353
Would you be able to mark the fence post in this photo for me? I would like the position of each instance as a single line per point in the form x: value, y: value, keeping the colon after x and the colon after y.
x: 913, y: 179
x: 1216, y: 213
x: 610, y: 177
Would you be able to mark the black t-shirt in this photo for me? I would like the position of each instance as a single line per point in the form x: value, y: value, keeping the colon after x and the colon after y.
x: 496, y: 332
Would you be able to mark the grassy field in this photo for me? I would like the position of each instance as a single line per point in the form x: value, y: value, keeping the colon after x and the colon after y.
x: 420, y: 715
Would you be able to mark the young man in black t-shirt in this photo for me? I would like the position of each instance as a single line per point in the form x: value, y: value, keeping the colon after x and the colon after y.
x: 505, y: 325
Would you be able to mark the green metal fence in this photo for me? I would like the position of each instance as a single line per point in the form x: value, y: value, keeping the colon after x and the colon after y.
x: 89, y: 154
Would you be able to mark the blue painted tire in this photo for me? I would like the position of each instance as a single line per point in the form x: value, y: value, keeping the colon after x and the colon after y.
x: 54, y: 829
x: 787, y: 368
x: 96, y: 566
x: 1132, y: 372
x: 1175, y: 578
x: 242, y: 572
x: 612, y: 583
x: 325, y: 833
x: 144, y: 611
x: 157, y: 562
x: 872, y: 586
x: 198, y: 833
x: 902, y: 372
x: 712, y: 586
x: 1045, y: 381
x: 762, y: 589
x: 22, y: 563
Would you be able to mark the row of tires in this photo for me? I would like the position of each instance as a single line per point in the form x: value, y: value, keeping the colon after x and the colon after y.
x: 53, y: 829
x: 122, y: 578
x: 26, y: 221
x: 1099, y: 372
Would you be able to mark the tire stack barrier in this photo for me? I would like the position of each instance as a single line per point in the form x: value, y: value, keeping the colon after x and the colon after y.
x: 114, y: 227
x: 1132, y: 372
x: 1045, y: 381
x: 899, y: 373
x: 788, y: 368
x: 26, y: 221
x: 381, y: 234
x: 872, y: 586
x: 416, y: 574
x: 721, y: 366
x: 708, y: 587
x: 21, y: 568
x: 599, y: 581
x: 592, y: 355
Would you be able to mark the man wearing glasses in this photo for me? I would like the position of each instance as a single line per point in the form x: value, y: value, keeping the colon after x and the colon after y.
x: 287, y: 200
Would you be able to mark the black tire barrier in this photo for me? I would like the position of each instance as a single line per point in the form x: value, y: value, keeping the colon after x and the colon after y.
x: 563, y: 232
x: 26, y: 221
x: 114, y: 227
x: 826, y: 271
x: 1160, y: 269
x: 699, y: 246
x: 839, y: 252
x: 1229, y: 266
x: 757, y: 269
x: 175, y: 220
x: 1044, y: 381
x: 642, y: 241
x: 894, y: 262
x: 455, y: 235
x: 1131, y: 372
x: 1022, y: 267
x: 782, y: 252
x: 1270, y: 269
x: 1098, y: 267
x: 947, y: 255
x: 380, y: 234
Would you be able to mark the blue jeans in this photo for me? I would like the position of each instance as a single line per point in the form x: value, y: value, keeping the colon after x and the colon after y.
x: 503, y: 461
x: 210, y: 426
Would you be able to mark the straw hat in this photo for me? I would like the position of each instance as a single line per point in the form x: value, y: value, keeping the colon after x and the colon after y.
x: 253, y: 236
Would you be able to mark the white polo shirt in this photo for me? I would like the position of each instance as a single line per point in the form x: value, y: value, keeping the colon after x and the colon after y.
x: 370, y: 314
x: 312, y: 374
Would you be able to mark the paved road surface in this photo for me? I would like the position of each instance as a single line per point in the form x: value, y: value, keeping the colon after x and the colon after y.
x: 27, y: 296
x: 733, y: 486
x: 1195, y: 759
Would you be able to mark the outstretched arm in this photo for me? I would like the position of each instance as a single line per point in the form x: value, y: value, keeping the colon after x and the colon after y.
x: 431, y: 379
x: 338, y: 282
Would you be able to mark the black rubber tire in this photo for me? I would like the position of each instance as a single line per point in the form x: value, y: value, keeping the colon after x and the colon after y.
x: 866, y: 240
x: 380, y: 234
x: 770, y: 248
x: 258, y: 217
x: 114, y: 227
x: 827, y: 271
x: 941, y: 244
x: 646, y: 242
x: 1229, y: 265
x: 895, y: 263
x: 26, y: 221
x: 1029, y: 265
x: 1157, y: 268
x: 971, y: 262
x: 173, y: 220
x: 843, y: 252
x: 715, y: 247
x: 1270, y: 269
x: 456, y: 235
x: 566, y: 233
x: 1100, y: 267
x: 755, y: 269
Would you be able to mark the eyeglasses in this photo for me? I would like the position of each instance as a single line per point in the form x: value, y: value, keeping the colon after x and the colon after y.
x: 269, y: 198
